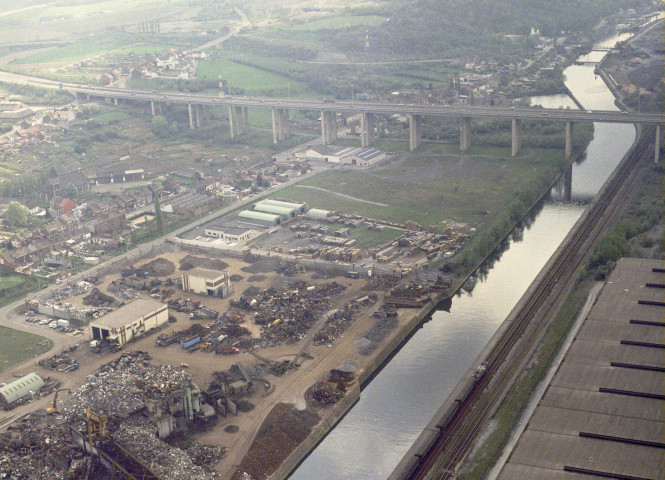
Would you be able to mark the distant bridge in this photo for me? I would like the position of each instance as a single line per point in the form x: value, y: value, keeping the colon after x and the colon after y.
x: 239, y: 117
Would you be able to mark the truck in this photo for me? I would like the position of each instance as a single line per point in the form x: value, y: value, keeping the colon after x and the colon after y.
x: 190, y: 342
x: 63, y: 323
x: 205, y: 314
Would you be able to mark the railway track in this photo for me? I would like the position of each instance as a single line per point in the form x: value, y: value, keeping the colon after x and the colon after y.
x: 441, y: 460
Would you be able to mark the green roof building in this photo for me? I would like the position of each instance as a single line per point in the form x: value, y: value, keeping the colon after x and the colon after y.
x: 20, y: 388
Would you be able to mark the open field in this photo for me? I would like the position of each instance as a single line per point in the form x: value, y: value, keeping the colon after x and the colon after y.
x: 17, y: 346
x: 339, y: 22
x: 430, y: 189
x: 11, y: 281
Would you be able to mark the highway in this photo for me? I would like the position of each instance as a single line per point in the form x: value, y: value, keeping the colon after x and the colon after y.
x: 346, y: 106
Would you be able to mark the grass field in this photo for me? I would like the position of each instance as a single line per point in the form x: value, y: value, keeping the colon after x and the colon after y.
x: 251, y: 79
x: 430, y: 189
x: 338, y: 23
x: 17, y: 346
x: 11, y: 281
x: 76, y: 51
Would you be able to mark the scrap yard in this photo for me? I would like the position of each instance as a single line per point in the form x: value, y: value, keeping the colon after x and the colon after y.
x: 167, y: 382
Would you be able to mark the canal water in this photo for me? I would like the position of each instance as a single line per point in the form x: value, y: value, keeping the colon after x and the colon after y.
x: 393, y: 409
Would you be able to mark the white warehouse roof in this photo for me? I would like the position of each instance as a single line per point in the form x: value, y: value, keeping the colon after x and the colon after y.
x: 250, y: 216
x: 318, y: 214
x: 302, y: 207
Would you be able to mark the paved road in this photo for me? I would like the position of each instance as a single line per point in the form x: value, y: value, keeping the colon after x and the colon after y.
x: 346, y: 106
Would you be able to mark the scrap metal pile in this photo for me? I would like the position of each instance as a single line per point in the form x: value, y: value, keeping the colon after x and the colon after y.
x: 124, y: 385
x: 340, y: 320
x: 31, y: 449
x: 98, y: 299
x: 138, y: 436
x: 121, y: 289
x: 61, y: 362
x: 287, y: 317
x: 69, y: 291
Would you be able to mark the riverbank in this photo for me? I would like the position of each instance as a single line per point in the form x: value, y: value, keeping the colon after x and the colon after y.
x: 367, y: 372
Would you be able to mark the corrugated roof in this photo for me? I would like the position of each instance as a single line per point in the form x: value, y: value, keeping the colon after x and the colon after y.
x: 252, y: 215
x: 284, y: 212
x: 574, y: 403
x: 129, y: 313
x: 280, y: 203
x: 317, y: 213
x: 20, y: 388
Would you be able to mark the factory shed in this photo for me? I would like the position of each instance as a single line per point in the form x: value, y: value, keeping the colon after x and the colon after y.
x: 259, y: 218
x: 228, y: 232
x: 20, y: 388
x: 603, y: 412
x: 284, y: 212
x: 358, y: 156
x: 318, y: 214
x: 130, y: 321
x: 205, y: 281
x: 300, y: 207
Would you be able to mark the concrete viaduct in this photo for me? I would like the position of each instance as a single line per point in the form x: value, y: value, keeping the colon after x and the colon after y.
x: 239, y: 117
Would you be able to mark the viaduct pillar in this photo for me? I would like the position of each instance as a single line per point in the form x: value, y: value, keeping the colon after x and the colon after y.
x: 152, y: 107
x: 516, y: 143
x: 415, y: 131
x: 232, y: 122
x: 191, y: 117
x: 568, y: 184
x: 198, y: 116
x: 280, y: 124
x: 569, y: 139
x: 245, y: 120
x: 367, y: 129
x: 657, y: 144
x: 464, y: 133
x: 238, y: 121
x: 115, y: 100
x: 328, y: 127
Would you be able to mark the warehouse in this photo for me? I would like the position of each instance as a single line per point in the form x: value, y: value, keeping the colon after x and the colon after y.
x: 229, y: 232
x: 284, y: 212
x: 299, y: 207
x: 318, y: 214
x: 130, y: 321
x: 207, y: 282
x: 358, y: 156
x: 20, y: 388
x: 259, y: 218
x: 602, y: 414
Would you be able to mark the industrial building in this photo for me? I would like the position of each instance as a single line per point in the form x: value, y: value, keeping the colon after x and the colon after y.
x: 357, y: 156
x: 298, y: 207
x: 229, y: 232
x: 259, y: 218
x: 207, y: 282
x: 319, y: 153
x: 20, y: 388
x: 130, y: 321
x: 603, y: 413
x: 284, y: 212
x: 318, y: 214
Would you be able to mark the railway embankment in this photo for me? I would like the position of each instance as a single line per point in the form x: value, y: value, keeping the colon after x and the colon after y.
x: 541, y: 302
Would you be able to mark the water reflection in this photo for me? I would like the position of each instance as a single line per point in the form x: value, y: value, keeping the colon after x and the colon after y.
x: 369, y: 442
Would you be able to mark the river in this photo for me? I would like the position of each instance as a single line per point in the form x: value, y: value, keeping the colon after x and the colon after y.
x: 393, y: 409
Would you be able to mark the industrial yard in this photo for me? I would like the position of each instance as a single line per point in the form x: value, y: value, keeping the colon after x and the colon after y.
x: 273, y: 342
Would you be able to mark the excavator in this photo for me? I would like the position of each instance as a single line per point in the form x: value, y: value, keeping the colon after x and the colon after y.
x: 52, y: 409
